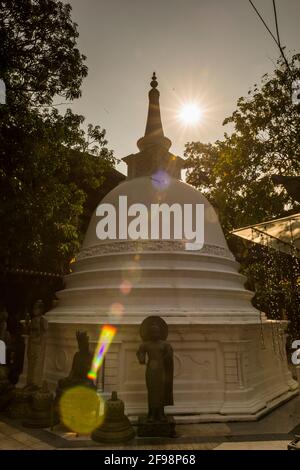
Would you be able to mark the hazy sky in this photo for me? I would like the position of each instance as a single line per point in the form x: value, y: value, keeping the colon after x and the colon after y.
x: 208, y: 51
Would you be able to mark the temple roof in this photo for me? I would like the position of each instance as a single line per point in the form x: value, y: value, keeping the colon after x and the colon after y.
x: 280, y: 234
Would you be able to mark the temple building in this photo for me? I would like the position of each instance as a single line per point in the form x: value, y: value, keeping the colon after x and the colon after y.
x: 230, y: 361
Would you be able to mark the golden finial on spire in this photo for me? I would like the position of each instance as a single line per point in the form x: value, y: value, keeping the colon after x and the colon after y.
x: 154, y: 82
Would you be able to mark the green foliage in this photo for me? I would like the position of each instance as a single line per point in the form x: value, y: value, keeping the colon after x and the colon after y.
x: 235, y: 176
x: 38, y: 55
x: 49, y: 163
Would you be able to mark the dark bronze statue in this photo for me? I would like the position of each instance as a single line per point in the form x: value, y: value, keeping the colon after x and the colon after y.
x: 78, y: 375
x: 80, y: 366
x: 157, y: 354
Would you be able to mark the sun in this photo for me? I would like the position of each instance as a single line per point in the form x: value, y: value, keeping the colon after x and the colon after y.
x: 190, y: 114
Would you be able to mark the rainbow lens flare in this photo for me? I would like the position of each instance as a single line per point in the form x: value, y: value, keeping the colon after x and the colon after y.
x: 106, y: 336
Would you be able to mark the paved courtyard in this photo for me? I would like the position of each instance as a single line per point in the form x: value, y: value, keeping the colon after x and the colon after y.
x: 273, y: 432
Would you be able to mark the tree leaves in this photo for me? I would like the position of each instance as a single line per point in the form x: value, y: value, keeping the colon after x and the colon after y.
x: 49, y: 163
x: 39, y: 58
x: 235, y: 175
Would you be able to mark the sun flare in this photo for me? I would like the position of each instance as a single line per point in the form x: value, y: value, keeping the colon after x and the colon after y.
x: 190, y: 114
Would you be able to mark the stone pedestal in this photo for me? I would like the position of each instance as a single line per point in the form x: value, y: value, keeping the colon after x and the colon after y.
x: 41, y: 413
x: 20, y: 405
x: 5, y: 399
x: 156, y: 429
x: 39, y: 419
x: 6, y: 388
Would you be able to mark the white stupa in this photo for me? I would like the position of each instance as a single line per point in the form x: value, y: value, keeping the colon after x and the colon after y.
x: 230, y: 361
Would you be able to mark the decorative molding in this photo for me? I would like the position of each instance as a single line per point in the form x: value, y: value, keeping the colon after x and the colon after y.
x: 61, y: 360
x: 149, y: 245
x: 233, y: 387
x: 177, y: 366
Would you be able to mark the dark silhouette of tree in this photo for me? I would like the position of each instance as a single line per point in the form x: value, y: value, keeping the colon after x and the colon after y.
x: 39, y: 57
x: 235, y: 175
x: 50, y: 162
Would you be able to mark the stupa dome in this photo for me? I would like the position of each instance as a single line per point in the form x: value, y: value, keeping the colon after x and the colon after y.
x: 125, y: 278
x: 154, y: 189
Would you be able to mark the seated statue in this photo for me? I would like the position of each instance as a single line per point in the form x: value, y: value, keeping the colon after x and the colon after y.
x: 80, y: 366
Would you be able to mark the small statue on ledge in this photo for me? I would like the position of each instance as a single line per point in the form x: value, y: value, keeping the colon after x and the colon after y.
x: 37, y: 329
x: 159, y: 377
x: 80, y: 366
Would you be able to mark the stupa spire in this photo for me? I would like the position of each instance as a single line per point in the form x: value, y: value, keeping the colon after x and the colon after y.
x: 154, y: 134
x: 154, y: 124
x: 153, y: 155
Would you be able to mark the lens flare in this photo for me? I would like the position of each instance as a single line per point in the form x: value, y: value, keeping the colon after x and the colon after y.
x: 132, y: 272
x: 117, y: 309
x: 73, y: 260
x: 81, y: 409
x: 161, y: 180
x: 106, y: 336
x: 125, y: 287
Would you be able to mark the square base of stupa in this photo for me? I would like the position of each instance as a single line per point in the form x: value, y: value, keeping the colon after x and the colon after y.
x: 233, y: 372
